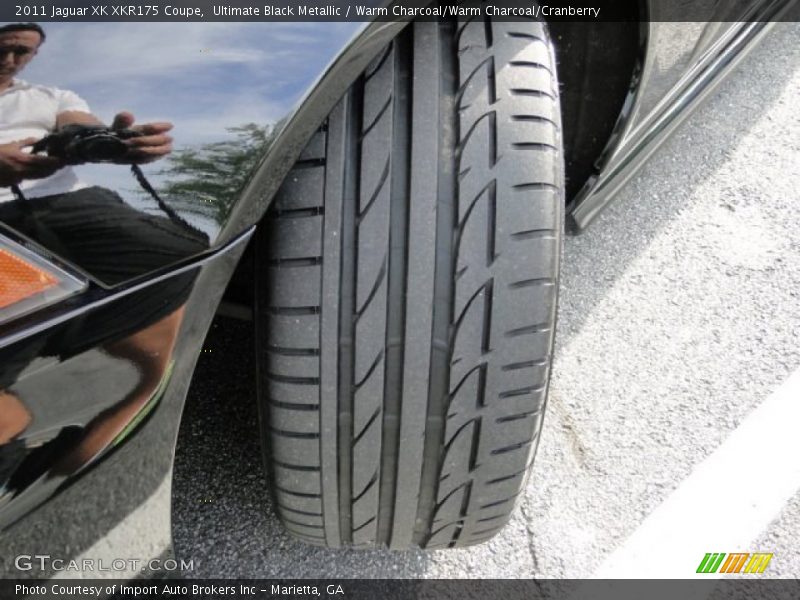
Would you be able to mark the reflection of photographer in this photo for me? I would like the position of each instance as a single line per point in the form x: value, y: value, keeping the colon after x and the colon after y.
x: 43, y: 131
x: 29, y: 112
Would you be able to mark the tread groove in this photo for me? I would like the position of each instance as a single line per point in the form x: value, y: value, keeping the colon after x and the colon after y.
x: 481, y: 291
x: 371, y: 482
x: 293, y: 311
x: 397, y: 261
x: 531, y: 64
x: 465, y: 500
x: 309, y: 163
x: 292, y: 405
x: 374, y: 291
x: 377, y: 191
x: 457, y: 432
x: 480, y: 366
x: 494, y: 518
x: 347, y: 304
x: 463, y: 143
x: 283, y: 351
x: 535, y: 185
x: 372, y: 70
x: 296, y: 511
x: 535, y: 119
x: 485, y: 189
x: 532, y: 93
x: 511, y: 448
x: 378, y: 117
x: 524, y: 365
x: 364, y: 524
x: 284, y: 465
x: 296, y: 493
x: 305, y: 261
x: 533, y: 234
x: 487, y: 32
x: 486, y: 336
x: 451, y: 492
x: 367, y: 426
x: 297, y: 213
x: 370, y: 370
x: 485, y: 531
x: 440, y: 354
x: 491, y: 225
x: 303, y: 435
x: 301, y: 524
x: 518, y: 416
x: 520, y: 391
x: 538, y: 281
x: 499, y: 502
x: 509, y: 477
x: 292, y: 379
x: 534, y: 146
x: 525, y: 36
x: 465, y: 84
x: 528, y: 329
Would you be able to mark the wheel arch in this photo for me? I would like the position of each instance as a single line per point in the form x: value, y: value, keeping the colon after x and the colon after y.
x: 598, y: 65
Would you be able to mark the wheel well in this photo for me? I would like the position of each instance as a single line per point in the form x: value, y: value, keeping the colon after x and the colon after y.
x: 597, y: 66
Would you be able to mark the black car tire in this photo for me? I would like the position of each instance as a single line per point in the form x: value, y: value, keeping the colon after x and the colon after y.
x: 407, y: 293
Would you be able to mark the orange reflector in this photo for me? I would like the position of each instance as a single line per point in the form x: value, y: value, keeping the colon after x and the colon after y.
x: 20, y: 280
x: 29, y: 281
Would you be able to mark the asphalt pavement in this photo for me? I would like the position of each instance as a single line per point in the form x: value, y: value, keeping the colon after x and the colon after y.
x: 679, y: 316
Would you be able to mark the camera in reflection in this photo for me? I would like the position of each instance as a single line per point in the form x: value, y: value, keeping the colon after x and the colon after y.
x: 77, y: 144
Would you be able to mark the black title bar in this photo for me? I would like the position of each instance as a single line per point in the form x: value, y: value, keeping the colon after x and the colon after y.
x: 387, y: 10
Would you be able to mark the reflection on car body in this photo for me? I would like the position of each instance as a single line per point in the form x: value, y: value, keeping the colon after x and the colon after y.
x: 92, y: 387
x: 95, y: 230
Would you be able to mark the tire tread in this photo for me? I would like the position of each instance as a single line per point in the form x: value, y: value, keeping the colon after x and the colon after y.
x: 388, y: 424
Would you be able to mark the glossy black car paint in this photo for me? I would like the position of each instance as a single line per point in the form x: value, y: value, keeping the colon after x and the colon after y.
x: 206, y: 79
x: 95, y: 500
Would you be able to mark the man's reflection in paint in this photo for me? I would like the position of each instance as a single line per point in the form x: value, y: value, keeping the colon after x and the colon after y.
x: 142, y: 329
x: 82, y: 224
x: 29, y: 112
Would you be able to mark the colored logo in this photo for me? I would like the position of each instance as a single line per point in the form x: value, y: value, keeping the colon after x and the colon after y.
x: 741, y: 562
